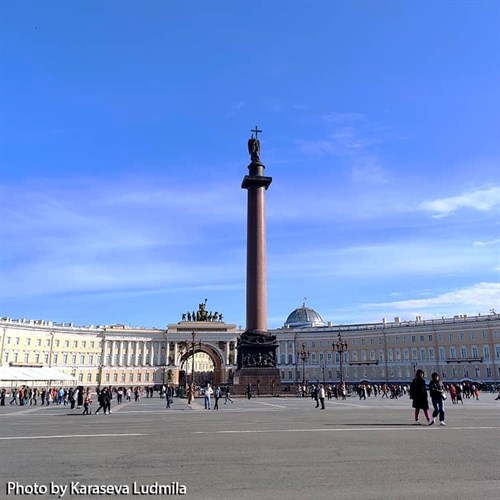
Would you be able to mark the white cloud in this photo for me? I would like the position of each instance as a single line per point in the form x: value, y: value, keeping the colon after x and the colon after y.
x: 486, y: 243
x: 368, y: 170
x: 343, y: 117
x: 481, y: 296
x: 481, y: 199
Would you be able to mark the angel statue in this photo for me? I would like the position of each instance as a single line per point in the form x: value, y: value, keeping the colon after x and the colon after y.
x: 254, y: 149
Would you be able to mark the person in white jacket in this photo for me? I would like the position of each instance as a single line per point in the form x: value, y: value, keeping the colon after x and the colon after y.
x: 208, y: 393
x: 321, y: 396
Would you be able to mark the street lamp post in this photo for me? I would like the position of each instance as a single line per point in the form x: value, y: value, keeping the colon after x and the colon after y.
x: 323, y: 366
x: 192, y: 365
x: 303, y: 355
x: 341, y: 347
x: 193, y: 343
x: 414, y: 366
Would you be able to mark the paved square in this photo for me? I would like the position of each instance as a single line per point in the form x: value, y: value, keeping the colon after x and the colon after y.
x: 264, y: 448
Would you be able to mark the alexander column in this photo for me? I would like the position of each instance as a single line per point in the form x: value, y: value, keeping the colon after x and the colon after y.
x: 256, y: 346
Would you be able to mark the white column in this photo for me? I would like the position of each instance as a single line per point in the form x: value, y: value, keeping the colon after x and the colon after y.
x: 227, y: 352
x: 136, y: 352
x: 152, y: 354
x: 112, y: 353
x: 158, y: 356
x: 286, y: 352
x: 175, y: 353
x: 129, y: 352
x: 120, y: 353
x: 167, y: 353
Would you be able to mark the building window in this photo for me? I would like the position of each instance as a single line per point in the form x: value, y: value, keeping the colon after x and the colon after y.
x: 89, y: 377
x: 453, y: 352
x: 442, y: 354
x: 354, y: 342
x: 37, y: 358
x: 75, y: 343
x: 440, y: 337
x: 131, y: 377
x: 461, y: 335
x: 474, y: 352
x: 463, y: 352
x: 313, y: 344
x: 17, y: 340
x: 497, y: 351
x: 290, y: 359
x: 381, y: 355
x: 329, y: 357
x: 486, y: 352
x: 431, y: 354
x: 422, y: 354
x: 84, y: 344
x: 139, y: 377
x: 321, y: 355
x: 413, y: 338
x: 421, y: 338
x: 282, y: 359
x: 106, y: 377
x: 8, y: 340
x: 430, y: 338
x: 65, y: 359
x: 115, y: 377
x: 313, y: 357
x: 46, y: 358
x: 488, y: 372
x: 363, y: 341
x: 26, y: 357
x: 450, y: 336
x: 123, y: 377
x: 82, y: 359
x: 66, y: 343
x: 92, y: 344
x: 372, y: 341
x: 473, y: 335
x: 73, y: 359
x: 54, y: 358
x: 289, y: 374
x: 39, y: 343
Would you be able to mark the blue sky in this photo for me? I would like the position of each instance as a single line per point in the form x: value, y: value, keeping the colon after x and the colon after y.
x: 123, y: 146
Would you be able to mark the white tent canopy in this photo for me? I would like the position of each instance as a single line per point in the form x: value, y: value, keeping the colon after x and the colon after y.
x: 33, y: 374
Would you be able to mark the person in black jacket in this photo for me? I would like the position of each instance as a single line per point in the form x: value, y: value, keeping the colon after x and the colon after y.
x: 418, y: 394
x: 437, y: 393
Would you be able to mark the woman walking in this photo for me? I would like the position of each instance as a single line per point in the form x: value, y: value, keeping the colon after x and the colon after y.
x: 438, y: 395
x: 418, y: 394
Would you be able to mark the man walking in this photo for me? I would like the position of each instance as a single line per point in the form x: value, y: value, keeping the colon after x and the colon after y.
x: 228, y: 396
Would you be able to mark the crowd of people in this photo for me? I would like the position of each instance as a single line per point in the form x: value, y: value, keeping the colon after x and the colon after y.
x: 418, y: 391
